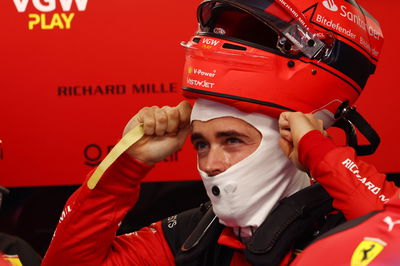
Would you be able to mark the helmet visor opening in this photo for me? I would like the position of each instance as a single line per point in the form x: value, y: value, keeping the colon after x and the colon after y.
x: 229, y: 21
x: 271, y: 27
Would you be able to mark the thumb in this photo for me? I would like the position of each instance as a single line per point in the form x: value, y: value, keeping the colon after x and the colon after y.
x: 286, y: 146
x: 183, y: 134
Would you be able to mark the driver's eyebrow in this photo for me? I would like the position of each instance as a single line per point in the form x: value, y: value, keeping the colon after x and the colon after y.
x: 196, y: 136
x: 220, y: 134
x: 230, y: 133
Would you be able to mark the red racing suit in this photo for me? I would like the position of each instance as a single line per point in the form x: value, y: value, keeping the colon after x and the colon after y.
x: 86, y: 233
x: 373, y: 239
x: 356, y: 186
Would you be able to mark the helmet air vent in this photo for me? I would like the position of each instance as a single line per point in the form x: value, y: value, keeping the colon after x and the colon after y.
x: 234, y: 47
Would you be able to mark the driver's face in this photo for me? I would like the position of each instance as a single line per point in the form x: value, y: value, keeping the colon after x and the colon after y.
x: 223, y: 142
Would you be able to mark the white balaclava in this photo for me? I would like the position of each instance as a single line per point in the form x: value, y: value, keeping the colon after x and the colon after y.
x: 251, y: 188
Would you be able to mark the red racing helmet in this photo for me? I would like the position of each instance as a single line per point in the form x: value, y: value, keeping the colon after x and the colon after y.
x: 270, y: 56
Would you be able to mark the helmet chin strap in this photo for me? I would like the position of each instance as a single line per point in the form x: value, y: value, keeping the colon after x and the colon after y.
x: 349, y: 120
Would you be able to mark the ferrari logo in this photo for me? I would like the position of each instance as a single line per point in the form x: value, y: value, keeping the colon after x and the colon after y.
x: 366, y: 251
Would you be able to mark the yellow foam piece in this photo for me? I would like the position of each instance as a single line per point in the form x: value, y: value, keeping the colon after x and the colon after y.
x: 128, y: 140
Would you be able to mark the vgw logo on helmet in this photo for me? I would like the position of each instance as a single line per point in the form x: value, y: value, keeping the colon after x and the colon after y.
x: 329, y: 4
x: 46, y: 20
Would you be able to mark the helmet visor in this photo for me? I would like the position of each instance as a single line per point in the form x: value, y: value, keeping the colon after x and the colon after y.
x: 264, y: 23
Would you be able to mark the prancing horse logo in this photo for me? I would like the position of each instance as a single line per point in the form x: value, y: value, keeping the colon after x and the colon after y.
x: 366, y: 251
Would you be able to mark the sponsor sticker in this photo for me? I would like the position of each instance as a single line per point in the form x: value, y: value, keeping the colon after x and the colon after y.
x: 64, y: 213
x: 200, y: 83
x: 353, y: 168
x: 367, y: 251
x: 390, y: 223
x: 207, y: 43
x: 201, y: 72
x: 219, y: 31
x: 351, y: 23
x: 330, y: 5
x: 172, y: 221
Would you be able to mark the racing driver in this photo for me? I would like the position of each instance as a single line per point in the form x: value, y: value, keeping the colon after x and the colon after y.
x: 250, y: 61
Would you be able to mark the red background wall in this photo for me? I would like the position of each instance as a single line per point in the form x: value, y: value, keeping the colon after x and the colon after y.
x: 131, y: 49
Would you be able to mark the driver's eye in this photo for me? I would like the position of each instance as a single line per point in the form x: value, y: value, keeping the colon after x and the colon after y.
x: 200, y: 145
x: 233, y: 140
